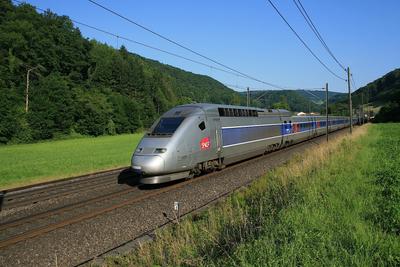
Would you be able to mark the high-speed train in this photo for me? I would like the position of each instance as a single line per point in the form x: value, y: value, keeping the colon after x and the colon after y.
x: 190, y: 139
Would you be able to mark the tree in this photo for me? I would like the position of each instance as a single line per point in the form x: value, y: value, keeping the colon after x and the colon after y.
x: 92, y: 113
x: 282, y: 104
x: 51, y: 107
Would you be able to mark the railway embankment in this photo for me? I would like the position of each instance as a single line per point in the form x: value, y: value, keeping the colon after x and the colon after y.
x: 335, y: 204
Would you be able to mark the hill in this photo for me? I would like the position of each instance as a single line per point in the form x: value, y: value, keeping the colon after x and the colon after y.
x: 80, y: 86
x: 381, y: 91
x: 381, y: 95
x: 295, y: 100
x: 318, y: 96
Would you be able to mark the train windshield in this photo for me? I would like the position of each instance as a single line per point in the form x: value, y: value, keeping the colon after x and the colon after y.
x: 167, y: 126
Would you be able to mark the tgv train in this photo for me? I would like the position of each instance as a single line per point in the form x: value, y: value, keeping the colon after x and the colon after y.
x: 190, y: 139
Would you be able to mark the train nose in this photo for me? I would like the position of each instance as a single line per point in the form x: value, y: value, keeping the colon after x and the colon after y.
x: 148, y: 165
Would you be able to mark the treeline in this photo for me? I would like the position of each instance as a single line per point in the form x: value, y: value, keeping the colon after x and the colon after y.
x: 385, y: 93
x: 79, y: 86
x: 285, y: 99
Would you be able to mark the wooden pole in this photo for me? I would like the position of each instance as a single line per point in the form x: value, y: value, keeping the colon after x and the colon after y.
x: 248, y: 96
x: 362, y: 107
x: 350, y: 104
x: 27, y: 88
x: 326, y: 111
x: 27, y: 91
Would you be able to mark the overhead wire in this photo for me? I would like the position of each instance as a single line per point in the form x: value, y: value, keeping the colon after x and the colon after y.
x: 303, y: 42
x: 183, y: 46
x: 144, y: 45
x: 310, y: 23
x: 234, y: 72
x: 353, y: 81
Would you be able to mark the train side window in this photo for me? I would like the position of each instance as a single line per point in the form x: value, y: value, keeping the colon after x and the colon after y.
x: 202, y: 125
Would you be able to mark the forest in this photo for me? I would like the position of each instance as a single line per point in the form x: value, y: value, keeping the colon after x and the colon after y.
x: 82, y: 87
x: 385, y: 93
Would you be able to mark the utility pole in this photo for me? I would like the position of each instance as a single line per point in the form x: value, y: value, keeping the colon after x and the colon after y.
x: 350, y: 105
x: 362, y: 107
x: 248, y: 96
x: 27, y: 89
x: 326, y: 110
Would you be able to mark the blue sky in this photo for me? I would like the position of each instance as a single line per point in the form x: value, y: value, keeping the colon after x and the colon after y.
x: 250, y: 36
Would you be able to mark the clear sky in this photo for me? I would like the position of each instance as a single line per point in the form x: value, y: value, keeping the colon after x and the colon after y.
x: 250, y: 36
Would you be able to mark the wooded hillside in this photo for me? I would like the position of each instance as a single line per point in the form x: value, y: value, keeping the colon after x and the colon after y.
x: 82, y: 86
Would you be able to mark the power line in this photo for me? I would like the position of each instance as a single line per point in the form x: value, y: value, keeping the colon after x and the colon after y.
x: 171, y: 53
x: 263, y: 89
x: 302, y: 41
x: 158, y: 49
x: 310, y: 23
x: 353, y: 82
x: 183, y: 46
x: 145, y: 45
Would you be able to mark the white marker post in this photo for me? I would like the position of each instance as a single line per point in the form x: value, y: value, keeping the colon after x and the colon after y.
x: 176, y: 209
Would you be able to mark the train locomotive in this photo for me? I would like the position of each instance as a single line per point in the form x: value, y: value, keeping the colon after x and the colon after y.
x: 194, y: 138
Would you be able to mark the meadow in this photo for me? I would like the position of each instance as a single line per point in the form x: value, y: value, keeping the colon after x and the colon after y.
x: 30, y: 163
x: 337, y: 205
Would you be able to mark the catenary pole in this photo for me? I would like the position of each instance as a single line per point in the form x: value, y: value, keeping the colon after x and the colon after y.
x: 248, y: 96
x: 326, y: 111
x: 350, y: 105
x: 362, y: 107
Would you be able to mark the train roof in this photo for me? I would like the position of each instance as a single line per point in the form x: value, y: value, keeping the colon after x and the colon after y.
x: 209, y: 107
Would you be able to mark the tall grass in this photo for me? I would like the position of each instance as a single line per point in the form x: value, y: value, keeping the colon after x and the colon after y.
x: 320, y: 209
x: 30, y: 163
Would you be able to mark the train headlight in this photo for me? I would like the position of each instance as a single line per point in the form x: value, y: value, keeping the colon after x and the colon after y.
x: 160, y: 150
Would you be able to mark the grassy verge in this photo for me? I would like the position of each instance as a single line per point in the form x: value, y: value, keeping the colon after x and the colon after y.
x: 335, y: 205
x: 29, y: 163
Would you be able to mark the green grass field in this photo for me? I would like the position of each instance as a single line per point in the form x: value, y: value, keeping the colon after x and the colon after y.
x: 29, y: 163
x: 338, y: 205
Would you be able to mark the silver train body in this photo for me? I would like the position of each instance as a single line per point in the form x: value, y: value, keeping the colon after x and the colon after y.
x: 195, y: 138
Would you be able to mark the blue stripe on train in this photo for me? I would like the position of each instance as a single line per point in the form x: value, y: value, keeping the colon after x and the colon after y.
x: 232, y: 136
x: 237, y: 135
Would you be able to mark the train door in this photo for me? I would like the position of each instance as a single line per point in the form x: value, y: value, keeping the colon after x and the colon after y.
x: 217, y: 138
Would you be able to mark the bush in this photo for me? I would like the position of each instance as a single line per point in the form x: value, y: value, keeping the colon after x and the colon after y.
x: 389, y: 113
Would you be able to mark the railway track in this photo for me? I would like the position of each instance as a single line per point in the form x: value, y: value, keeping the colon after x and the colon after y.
x: 28, y: 195
x: 37, y: 231
x: 43, y: 229
x: 19, y: 230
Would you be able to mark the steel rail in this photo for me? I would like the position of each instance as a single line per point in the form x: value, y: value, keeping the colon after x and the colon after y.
x: 44, y: 191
